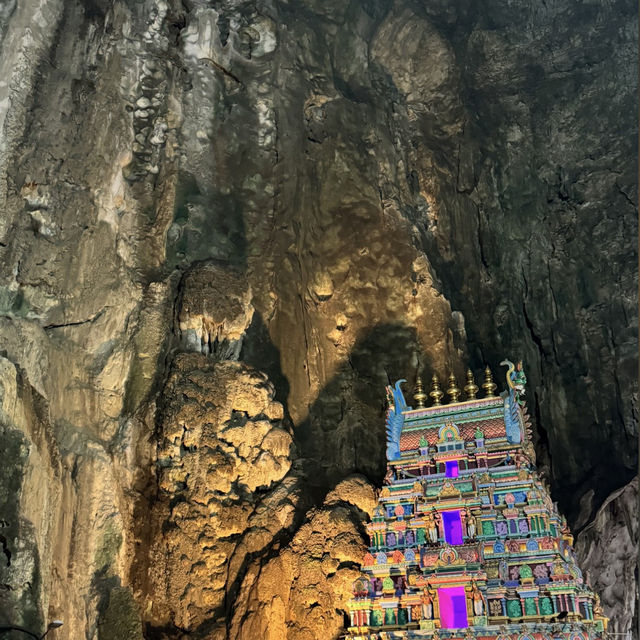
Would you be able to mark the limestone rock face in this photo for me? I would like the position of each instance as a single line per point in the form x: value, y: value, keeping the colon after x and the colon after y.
x: 606, y: 549
x: 294, y: 595
x: 221, y: 453
x: 215, y: 310
x: 227, y: 226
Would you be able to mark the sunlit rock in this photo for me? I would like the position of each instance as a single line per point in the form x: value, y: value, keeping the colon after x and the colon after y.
x: 300, y: 593
x: 215, y: 311
x: 221, y: 441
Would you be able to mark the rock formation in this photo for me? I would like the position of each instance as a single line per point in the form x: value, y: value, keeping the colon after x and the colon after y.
x: 226, y: 226
x: 221, y: 456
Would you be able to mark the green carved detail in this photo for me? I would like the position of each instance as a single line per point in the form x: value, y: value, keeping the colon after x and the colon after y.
x: 488, y: 529
x: 525, y: 571
x: 387, y: 584
x: 389, y: 616
x: 530, y: 606
x: 420, y: 536
x: 546, y: 608
x: 376, y: 618
x: 403, y: 616
x: 424, y: 442
x: 514, y: 609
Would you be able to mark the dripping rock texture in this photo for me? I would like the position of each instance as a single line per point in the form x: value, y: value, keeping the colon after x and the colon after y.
x: 226, y: 226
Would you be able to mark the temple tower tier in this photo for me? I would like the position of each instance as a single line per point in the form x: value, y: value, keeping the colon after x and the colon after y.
x: 465, y: 541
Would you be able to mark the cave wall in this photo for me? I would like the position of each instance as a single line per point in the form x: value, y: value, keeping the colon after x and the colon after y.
x: 308, y: 200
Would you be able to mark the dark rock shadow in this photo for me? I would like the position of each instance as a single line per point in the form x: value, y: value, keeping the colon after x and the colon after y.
x: 259, y: 351
x: 344, y: 432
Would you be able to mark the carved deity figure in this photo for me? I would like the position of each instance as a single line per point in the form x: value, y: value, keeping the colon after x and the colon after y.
x: 471, y: 523
x: 597, y: 607
x: 426, y: 604
x: 432, y: 526
x: 503, y: 570
x: 566, y: 532
x: 478, y: 600
x: 390, y: 476
x: 521, y: 460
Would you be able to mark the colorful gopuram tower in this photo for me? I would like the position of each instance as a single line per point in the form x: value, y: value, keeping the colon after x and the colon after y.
x: 465, y: 541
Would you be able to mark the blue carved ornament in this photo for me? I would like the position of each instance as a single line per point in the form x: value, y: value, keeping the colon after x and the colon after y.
x: 516, y: 381
x: 395, y: 420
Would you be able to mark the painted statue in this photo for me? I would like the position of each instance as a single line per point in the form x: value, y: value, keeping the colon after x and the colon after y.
x: 516, y: 381
x: 503, y: 570
x: 565, y: 531
x: 390, y: 476
x: 478, y: 600
x: 471, y: 523
x: 395, y: 420
x: 431, y: 526
x: 426, y: 604
x: 597, y: 607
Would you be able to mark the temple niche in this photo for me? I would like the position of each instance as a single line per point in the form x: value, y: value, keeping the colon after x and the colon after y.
x: 465, y: 541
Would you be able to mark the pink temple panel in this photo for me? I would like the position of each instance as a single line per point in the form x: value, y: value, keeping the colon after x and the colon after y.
x: 453, y: 608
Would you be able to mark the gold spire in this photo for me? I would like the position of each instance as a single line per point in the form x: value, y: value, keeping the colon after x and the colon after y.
x: 489, y: 386
x: 471, y: 388
x: 419, y: 396
x: 452, y: 390
x: 435, y: 394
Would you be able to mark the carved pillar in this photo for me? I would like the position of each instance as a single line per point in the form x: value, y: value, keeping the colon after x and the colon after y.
x: 531, y: 522
x: 439, y: 526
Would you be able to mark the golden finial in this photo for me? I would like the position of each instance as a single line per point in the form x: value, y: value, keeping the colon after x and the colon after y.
x: 489, y: 386
x: 419, y: 396
x: 471, y: 388
x: 452, y: 390
x: 435, y: 394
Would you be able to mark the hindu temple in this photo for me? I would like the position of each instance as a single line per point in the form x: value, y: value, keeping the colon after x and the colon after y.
x: 465, y: 541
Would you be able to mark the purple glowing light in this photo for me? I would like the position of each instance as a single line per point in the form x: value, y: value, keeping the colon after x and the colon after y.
x: 451, y: 469
x: 452, y: 526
